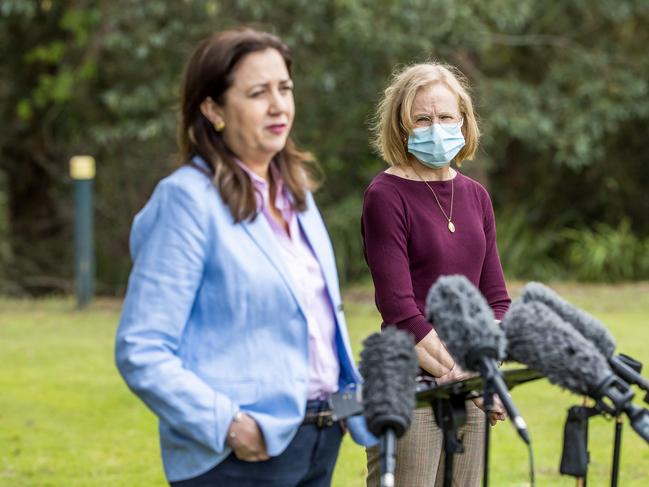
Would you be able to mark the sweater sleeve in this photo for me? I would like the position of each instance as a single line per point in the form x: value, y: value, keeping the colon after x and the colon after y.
x: 384, y: 229
x: 492, y: 280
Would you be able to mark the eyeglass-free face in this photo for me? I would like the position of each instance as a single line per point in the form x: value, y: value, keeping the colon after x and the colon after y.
x: 258, y: 108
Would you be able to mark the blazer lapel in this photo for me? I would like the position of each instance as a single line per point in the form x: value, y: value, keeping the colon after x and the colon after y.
x: 260, y: 231
x: 317, y: 236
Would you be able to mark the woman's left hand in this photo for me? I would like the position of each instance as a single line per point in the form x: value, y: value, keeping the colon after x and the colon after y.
x: 246, y: 440
x: 497, y: 413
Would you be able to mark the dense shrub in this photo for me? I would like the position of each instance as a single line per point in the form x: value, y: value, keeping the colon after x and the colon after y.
x: 607, y: 253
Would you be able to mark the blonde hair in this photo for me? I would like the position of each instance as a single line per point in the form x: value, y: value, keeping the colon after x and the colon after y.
x: 393, y: 122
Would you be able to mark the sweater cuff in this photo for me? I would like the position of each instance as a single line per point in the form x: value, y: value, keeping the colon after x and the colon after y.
x: 499, y: 313
x: 417, y: 326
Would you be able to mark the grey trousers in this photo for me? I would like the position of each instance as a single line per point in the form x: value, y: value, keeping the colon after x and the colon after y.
x: 420, y: 456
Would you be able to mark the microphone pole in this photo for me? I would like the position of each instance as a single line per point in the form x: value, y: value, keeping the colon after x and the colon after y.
x: 494, y: 384
x: 487, y: 403
x: 495, y: 380
x: 388, y: 452
x: 389, y: 367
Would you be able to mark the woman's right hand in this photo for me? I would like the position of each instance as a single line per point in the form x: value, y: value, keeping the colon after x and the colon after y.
x: 246, y: 440
x: 432, y: 355
x: 453, y: 375
x: 498, y: 412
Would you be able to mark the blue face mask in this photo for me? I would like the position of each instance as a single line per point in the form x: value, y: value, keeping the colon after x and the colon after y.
x: 436, y: 145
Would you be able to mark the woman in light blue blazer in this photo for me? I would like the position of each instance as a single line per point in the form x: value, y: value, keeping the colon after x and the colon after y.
x: 232, y: 330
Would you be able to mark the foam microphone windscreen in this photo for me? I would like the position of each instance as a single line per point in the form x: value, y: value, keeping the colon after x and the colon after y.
x: 540, y: 339
x: 464, y: 321
x: 590, y: 327
x: 389, y: 369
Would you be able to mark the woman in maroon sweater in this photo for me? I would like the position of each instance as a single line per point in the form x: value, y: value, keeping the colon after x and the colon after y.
x: 423, y: 219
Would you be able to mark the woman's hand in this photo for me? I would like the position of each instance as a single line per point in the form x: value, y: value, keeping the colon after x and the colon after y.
x: 498, y: 412
x: 432, y: 355
x: 246, y: 440
x: 456, y: 373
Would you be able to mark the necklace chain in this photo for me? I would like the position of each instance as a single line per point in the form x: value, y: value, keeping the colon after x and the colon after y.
x: 451, y: 226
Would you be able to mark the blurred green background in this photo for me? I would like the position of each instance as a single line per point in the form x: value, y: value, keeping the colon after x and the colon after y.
x: 562, y: 92
x: 561, y: 87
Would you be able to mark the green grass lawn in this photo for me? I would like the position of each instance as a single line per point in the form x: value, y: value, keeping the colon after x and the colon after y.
x: 67, y: 419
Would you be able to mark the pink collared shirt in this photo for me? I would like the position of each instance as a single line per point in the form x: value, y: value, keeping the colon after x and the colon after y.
x: 304, y: 269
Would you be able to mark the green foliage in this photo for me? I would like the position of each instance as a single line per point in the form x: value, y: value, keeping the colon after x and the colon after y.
x: 561, y: 91
x: 608, y: 253
x: 48, y: 53
x: 343, y: 224
x: 527, y: 253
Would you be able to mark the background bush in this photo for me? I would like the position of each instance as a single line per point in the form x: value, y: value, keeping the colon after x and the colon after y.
x: 561, y: 89
x: 608, y: 253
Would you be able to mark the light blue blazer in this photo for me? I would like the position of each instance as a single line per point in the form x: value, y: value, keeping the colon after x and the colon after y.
x: 211, y: 323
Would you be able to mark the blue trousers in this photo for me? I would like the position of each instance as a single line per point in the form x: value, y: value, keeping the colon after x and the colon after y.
x: 308, y: 461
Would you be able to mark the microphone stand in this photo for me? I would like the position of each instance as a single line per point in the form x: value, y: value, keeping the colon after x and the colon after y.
x: 447, y: 401
x: 617, y: 447
x: 450, y: 414
x: 578, y: 441
x: 487, y: 403
x: 635, y: 366
x: 388, y: 451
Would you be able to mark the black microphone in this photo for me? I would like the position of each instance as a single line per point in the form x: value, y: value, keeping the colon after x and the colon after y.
x: 389, y: 369
x: 540, y: 339
x: 465, y: 323
x: 591, y: 328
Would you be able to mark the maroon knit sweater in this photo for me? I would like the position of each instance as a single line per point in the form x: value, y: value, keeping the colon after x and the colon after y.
x: 407, y: 245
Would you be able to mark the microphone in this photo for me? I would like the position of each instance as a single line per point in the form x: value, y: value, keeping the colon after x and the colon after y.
x: 591, y: 328
x: 465, y: 323
x: 389, y: 369
x: 540, y: 339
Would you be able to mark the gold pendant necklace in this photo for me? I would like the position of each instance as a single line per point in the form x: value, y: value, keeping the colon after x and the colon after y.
x: 451, y: 225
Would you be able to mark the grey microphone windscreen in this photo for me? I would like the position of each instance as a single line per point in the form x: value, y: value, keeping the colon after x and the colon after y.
x: 389, y: 369
x: 464, y: 321
x: 540, y: 339
x: 590, y: 327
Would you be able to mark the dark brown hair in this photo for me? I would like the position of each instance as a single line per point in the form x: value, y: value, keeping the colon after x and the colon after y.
x: 209, y: 73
